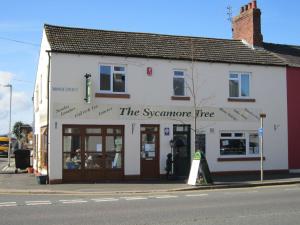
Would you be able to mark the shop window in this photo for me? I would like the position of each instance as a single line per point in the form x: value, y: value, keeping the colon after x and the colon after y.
x: 238, y: 143
x: 178, y: 83
x: 72, y: 152
x: 253, y: 144
x: 112, y: 79
x: 239, y: 85
x: 93, y: 148
x: 93, y: 152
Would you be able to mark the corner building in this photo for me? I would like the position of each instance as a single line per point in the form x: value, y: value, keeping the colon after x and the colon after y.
x: 107, y: 104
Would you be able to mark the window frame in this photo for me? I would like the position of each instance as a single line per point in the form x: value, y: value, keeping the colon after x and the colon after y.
x: 239, y: 79
x: 246, y: 136
x: 181, y: 77
x: 112, y: 72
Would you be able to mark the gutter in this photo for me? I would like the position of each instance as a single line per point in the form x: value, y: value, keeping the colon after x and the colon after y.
x: 48, y: 110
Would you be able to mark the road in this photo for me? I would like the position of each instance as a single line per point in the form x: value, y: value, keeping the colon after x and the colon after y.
x: 277, y: 205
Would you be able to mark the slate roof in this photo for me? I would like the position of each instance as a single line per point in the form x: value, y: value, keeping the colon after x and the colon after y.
x: 289, y: 53
x: 147, y: 45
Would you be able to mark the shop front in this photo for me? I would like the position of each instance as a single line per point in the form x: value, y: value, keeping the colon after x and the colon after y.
x: 93, y: 153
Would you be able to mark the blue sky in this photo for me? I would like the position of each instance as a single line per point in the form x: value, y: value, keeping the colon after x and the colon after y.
x: 23, y: 21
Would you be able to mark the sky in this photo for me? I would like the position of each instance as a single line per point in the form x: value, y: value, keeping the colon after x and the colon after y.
x: 21, y: 26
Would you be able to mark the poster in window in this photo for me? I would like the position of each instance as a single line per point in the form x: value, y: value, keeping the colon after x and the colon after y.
x: 149, y: 147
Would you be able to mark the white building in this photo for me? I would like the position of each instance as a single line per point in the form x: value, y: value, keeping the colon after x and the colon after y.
x: 118, y: 123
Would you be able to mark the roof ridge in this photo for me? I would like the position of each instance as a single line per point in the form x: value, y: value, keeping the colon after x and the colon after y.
x: 269, y: 43
x: 133, y: 32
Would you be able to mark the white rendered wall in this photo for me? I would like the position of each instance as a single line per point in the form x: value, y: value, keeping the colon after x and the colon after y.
x: 268, y: 88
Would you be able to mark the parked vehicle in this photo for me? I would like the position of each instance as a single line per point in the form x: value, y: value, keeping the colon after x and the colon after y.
x: 4, y: 143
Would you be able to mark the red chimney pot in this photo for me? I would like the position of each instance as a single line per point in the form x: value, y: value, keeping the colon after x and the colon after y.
x: 254, y: 4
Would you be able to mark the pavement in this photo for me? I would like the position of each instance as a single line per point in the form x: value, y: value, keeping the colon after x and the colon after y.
x: 24, y: 183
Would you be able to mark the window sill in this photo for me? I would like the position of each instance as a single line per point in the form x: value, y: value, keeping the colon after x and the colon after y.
x: 181, y: 98
x: 241, y: 159
x: 241, y: 100
x: 111, y: 95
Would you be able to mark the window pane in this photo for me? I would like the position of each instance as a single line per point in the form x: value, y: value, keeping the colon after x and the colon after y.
x: 225, y: 134
x: 233, y: 76
x: 72, y: 130
x: 119, y: 82
x: 119, y: 68
x: 118, y: 131
x: 178, y: 86
x: 113, y: 143
x: 113, y: 160
x: 245, y: 85
x: 93, y: 130
x: 94, y: 161
x: 93, y: 143
x: 71, y: 143
x: 233, y: 88
x: 110, y: 131
x: 105, y: 72
x: 71, y: 161
x: 233, y: 147
x: 178, y: 73
x: 253, y: 144
x: 238, y: 134
x: 109, y: 145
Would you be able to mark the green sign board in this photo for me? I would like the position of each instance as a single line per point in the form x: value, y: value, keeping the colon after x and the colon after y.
x: 197, y: 156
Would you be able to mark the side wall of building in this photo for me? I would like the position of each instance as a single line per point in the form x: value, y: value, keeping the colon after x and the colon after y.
x: 40, y: 101
x: 293, y: 81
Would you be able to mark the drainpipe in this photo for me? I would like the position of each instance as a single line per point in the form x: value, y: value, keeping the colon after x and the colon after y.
x: 48, y: 110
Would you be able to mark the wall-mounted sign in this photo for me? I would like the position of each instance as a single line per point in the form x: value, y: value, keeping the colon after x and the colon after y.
x: 144, y: 112
x: 149, y: 71
x: 88, y: 84
x: 167, y: 131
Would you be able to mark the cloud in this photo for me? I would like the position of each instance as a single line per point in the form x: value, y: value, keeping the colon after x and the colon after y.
x: 21, y: 103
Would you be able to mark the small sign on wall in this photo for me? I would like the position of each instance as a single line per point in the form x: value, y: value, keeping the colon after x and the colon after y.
x: 149, y: 71
x: 167, y: 131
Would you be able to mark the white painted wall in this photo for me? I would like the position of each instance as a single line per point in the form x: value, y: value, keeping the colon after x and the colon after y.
x: 40, y: 94
x: 268, y: 88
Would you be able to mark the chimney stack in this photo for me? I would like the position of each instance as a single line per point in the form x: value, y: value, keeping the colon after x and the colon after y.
x: 247, y: 26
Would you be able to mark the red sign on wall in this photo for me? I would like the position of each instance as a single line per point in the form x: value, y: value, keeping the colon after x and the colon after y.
x: 149, y: 71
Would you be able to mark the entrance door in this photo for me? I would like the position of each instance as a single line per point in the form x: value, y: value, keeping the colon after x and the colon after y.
x: 182, y: 150
x: 149, y: 151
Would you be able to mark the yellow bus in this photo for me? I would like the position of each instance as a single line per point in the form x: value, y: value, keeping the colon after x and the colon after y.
x: 4, y: 143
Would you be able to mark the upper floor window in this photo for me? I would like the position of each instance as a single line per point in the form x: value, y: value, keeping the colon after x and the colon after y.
x: 178, y: 83
x: 239, y: 85
x: 112, y: 79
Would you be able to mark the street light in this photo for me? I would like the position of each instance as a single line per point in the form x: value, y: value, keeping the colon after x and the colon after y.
x: 9, y: 130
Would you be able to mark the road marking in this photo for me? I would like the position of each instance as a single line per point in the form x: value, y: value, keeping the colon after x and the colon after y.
x: 134, y: 198
x: 196, y: 195
x: 104, y: 199
x: 38, y: 203
x: 74, y: 201
x: 165, y: 196
x: 291, y: 189
x: 7, y: 204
